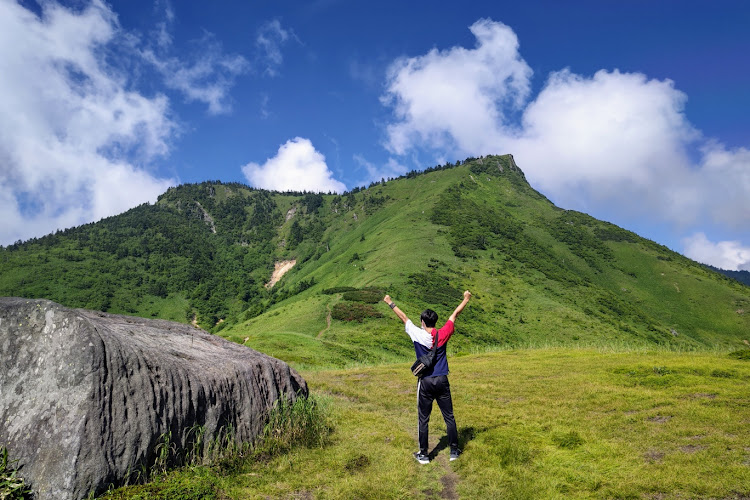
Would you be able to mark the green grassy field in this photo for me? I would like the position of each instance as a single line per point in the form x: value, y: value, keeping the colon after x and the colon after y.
x: 533, y: 423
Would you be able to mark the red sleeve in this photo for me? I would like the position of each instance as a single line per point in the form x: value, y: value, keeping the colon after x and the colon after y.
x: 445, y: 333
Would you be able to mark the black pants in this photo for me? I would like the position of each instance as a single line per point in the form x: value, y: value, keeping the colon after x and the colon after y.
x: 428, y: 390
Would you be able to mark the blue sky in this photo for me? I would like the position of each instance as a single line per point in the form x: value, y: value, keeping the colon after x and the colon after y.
x: 634, y: 112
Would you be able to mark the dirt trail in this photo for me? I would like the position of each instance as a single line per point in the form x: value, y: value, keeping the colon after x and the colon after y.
x: 280, y: 269
x: 328, y: 325
x: 448, y: 478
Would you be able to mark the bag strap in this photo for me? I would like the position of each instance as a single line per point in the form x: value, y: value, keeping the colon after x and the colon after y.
x: 435, y: 342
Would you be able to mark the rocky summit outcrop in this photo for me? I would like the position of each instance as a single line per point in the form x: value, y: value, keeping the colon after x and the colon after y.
x: 85, y: 396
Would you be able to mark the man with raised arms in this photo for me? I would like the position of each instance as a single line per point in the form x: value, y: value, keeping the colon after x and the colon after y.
x: 433, y: 384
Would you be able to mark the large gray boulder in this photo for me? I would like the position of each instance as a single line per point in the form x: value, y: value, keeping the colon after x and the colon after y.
x: 85, y: 396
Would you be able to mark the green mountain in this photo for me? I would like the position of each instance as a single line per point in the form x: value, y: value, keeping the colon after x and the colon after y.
x: 540, y: 275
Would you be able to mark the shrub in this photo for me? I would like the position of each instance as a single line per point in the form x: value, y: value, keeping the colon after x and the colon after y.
x: 718, y: 373
x: 338, y: 289
x: 354, y: 311
x: 743, y: 354
x: 434, y: 288
x: 368, y: 295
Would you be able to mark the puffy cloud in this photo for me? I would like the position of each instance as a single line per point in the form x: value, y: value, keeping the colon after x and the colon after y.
x: 456, y: 98
x: 613, y: 143
x: 727, y: 172
x: 731, y: 255
x: 611, y: 136
x: 622, y: 142
x: 72, y: 135
x: 297, y: 166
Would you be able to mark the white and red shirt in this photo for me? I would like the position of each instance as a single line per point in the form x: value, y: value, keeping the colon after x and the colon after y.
x: 423, y: 344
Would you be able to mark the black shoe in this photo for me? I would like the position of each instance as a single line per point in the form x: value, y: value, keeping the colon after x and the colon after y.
x: 454, y: 454
x: 422, y: 458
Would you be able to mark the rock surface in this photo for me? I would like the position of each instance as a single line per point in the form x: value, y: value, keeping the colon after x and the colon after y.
x: 85, y: 396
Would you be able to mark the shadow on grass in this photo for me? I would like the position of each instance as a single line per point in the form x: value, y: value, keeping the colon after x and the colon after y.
x: 465, y: 434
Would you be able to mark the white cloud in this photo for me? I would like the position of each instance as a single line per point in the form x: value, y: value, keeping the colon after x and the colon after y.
x: 612, y: 136
x: 456, y: 98
x: 269, y: 40
x: 622, y: 142
x: 615, y: 143
x: 71, y: 132
x: 728, y: 174
x: 730, y: 255
x: 297, y: 166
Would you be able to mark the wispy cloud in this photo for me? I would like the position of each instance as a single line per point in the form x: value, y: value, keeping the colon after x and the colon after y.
x: 391, y: 169
x: 614, y: 142
x: 163, y: 31
x: 73, y: 136
x: 205, y: 74
x: 297, y: 166
x: 270, y: 39
x: 365, y: 72
x: 265, y: 100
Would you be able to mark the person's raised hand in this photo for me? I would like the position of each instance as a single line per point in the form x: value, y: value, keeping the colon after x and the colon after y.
x: 387, y: 299
x: 467, y: 294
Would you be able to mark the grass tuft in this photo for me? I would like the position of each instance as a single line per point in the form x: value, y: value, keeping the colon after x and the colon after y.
x: 303, y: 422
x: 567, y: 440
x: 12, y: 487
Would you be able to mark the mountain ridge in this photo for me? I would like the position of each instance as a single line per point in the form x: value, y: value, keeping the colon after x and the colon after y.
x: 541, y: 274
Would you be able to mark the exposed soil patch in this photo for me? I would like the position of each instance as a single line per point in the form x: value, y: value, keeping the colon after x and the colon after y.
x: 703, y: 395
x: 449, y: 482
x: 280, y: 269
x: 692, y: 448
x: 302, y: 495
x: 654, y: 456
x: 660, y: 419
x: 341, y: 395
x: 357, y: 463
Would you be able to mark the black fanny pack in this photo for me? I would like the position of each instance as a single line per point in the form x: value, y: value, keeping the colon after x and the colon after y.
x: 426, y: 361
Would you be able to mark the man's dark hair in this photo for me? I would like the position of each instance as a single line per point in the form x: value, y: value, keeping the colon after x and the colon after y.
x: 429, y: 317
